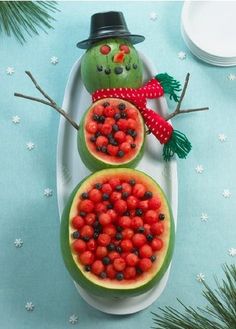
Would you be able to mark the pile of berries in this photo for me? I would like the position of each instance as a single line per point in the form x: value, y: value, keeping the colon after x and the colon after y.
x: 116, y: 233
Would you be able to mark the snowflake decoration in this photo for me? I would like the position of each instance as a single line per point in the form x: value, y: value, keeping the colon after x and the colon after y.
x: 182, y: 55
x: 222, y: 137
x: 226, y: 193
x: 15, y: 119
x: 204, y: 217
x: 18, y: 243
x: 10, y: 70
x: 54, y: 60
x: 232, y: 252
x: 153, y: 16
x: 199, y: 169
x: 30, y: 146
x: 29, y: 306
x: 232, y: 77
x: 200, y: 277
x: 73, y: 319
x: 47, y: 192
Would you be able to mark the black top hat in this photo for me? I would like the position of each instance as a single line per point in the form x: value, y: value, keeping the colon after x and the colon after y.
x: 109, y: 24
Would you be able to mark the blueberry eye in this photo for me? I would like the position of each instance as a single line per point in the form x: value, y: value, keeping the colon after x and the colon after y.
x: 105, y: 49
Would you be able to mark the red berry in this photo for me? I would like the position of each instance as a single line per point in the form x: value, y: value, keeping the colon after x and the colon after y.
x: 124, y: 221
x: 114, y: 182
x: 109, y: 230
x: 126, y: 188
x: 92, y: 127
x: 120, y: 136
x: 136, y: 222
x: 104, y: 219
x: 106, y: 129
x: 139, y: 240
x: 120, y: 206
x: 145, y: 264
x: 79, y: 246
x: 115, y: 196
x: 97, y: 267
x: 156, y: 244
x: 119, y: 264
x: 132, y: 113
x: 87, y: 257
x: 77, y: 222
x: 112, y: 214
x: 90, y: 218
x: 127, y: 233
x: 143, y: 205
x: 86, y: 206
x: 139, y: 190
x: 112, y: 149
x: 154, y: 203
x: 125, y: 49
x: 109, y: 111
x: 98, y: 109
x: 110, y: 121
x: 101, y: 141
x: 104, y: 239
x: 122, y: 124
x: 129, y: 139
x: 150, y: 216
x: 91, y: 245
x: 111, y: 272
x: 157, y: 228
x: 105, y: 49
x: 125, y: 147
x: 106, y: 188
x: 100, y: 208
x: 132, y: 259
x: 132, y: 124
x: 87, y: 231
x: 129, y: 272
x: 113, y: 255
x: 95, y: 195
x: 132, y: 202
x: 145, y: 251
x: 126, y: 245
x: 147, y: 228
x: 101, y: 252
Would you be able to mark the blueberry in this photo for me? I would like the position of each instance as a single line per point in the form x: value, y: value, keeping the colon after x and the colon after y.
x: 132, y: 182
x: 87, y: 268
x: 111, y: 247
x: 119, y: 276
x: 99, y: 68
x: 105, y: 104
x: 148, y: 195
x: 133, y: 145
x: 109, y: 206
x: 139, y: 271
x: 135, y: 66
x: 127, y: 213
x: 120, y: 154
x: 140, y: 229
x: 119, y: 228
x: 98, y: 148
x: 119, y: 249
x: 82, y: 213
x: 109, y: 136
x: 149, y: 237
x: 113, y: 142
x: 84, y: 195
x: 105, y: 197
x: 138, y: 212
x: 153, y: 258
x: 135, y: 251
x: 98, y: 186
x: 118, y: 236
x: 76, y: 235
x: 93, y: 139
x: 103, y: 275
x: 86, y: 238
x: 115, y: 127
x: 97, y: 134
x: 95, y: 235
x: 117, y: 116
x: 161, y: 216
x: 104, y: 149
x: 118, y: 188
x: 118, y: 70
x: 125, y: 195
x: 123, y: 115
x: 101, y: 119
x: 107, y: 71
x: 128, y: 67
x: 122, y: 106
x: 106, y: 260
x: 95, y: 117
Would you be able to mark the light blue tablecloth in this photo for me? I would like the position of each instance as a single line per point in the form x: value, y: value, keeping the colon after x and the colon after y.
x: 36, y: 272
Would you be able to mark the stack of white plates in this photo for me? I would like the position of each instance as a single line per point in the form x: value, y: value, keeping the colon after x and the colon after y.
x: 209, y: 30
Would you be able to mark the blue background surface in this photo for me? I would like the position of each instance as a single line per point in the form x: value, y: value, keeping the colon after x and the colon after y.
x: 36, y: 272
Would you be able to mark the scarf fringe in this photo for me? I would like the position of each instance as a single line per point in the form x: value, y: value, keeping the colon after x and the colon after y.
x: 169, y: 84
x: 178, y: 144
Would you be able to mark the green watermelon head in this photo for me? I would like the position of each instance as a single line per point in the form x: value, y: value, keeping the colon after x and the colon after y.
x: 111, y: 63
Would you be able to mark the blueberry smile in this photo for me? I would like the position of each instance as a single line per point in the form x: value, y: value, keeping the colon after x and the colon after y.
x: 117, y: 70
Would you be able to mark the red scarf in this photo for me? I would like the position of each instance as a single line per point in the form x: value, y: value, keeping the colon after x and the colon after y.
x: 160, y: 128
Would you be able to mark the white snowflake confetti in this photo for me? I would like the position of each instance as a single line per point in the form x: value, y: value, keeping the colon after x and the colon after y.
x: 29, y: 306
x: 10, y: 70
x: 18, y: 243
x: 226, y: 193
x: 199, y: 169
x: 54, y: 60
x: 182, y: 55
x: 30, y: 146
x: 47, y: 192
x: 232, y: 252
x: 232, y: 77
x: 153, y: 16
x: 222, y: 137
x: 73, y: 319
x: 15, y: 119
x: 200, y: 277
x: 204, y: 217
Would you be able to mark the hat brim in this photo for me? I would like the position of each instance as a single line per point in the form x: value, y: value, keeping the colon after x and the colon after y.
x: 133, y: 38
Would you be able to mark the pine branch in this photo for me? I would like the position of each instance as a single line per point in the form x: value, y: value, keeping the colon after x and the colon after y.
x: 220, y: 313
x: 26, y: 17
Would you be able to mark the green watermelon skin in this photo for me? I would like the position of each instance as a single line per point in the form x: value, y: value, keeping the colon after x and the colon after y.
x: 94, y: 79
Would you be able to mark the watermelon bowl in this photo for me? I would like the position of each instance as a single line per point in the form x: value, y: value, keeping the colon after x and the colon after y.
x: 71, y: 171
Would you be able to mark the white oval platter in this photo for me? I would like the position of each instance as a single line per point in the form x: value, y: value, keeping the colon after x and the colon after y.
x: 71, y: 170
